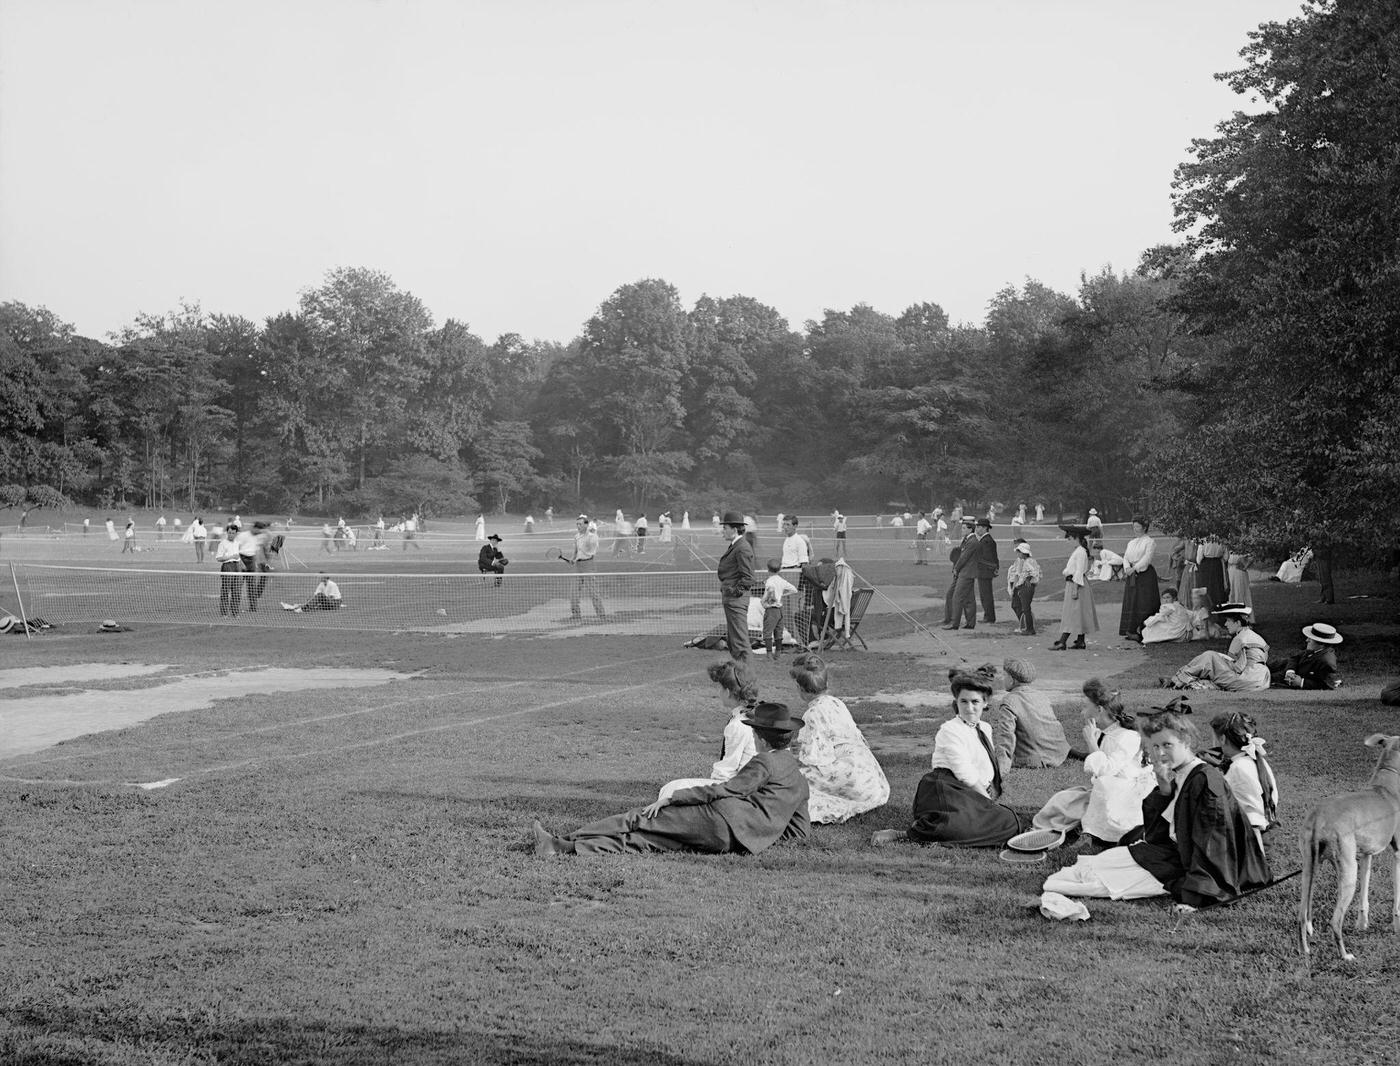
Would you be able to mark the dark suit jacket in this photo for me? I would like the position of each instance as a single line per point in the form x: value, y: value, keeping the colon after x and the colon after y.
x: 766, y: 800
x: 735, y: 570
x: 1318, y: 669
x: 490, y: 558
x: 988, y: 565
x: 967, y: 554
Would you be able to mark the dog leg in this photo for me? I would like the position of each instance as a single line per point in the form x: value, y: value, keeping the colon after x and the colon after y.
x: 1363, y: 891
x: 1309, y: 857
x: 1395, y: 884
x: 1345, y: 861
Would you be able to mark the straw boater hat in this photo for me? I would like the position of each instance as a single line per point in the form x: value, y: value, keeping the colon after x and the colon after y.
x: 109, y: 626
x: 1322, y: 633
x: 1233, y: 610
x: 1093, y: 510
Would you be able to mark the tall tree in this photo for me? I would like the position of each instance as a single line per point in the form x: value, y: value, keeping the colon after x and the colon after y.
x: 636, y: 349
x: 371, y: 338
x: 1293, y: 217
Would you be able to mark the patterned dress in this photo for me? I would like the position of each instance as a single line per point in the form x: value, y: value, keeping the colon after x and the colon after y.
x: 844, y: 777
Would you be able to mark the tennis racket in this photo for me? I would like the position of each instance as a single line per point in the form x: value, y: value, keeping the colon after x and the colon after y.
x: 556, y: 553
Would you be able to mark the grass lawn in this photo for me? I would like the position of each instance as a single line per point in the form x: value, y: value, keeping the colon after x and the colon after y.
x: 344, y: 877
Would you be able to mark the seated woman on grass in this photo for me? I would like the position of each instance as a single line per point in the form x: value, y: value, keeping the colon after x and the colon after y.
x: 1195, y: 844
x: 956, y: 800
x: 844, y: 777
x: 1242, y: 669
x: 1240, y: 756
x: 738, y: 695
x: 1110, y: 805
x: 1171, y: 623
x: 764, y: 802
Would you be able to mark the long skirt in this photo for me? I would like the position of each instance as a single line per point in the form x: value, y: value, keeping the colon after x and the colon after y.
x: 1214, y: 669
x: 1141, y: 600
x: 1210, y: 575
x: 1239, y: 585
x: 947, y: 811
x: 1064, y: 810
x: 1077, y: 615
x: 1110, y: 874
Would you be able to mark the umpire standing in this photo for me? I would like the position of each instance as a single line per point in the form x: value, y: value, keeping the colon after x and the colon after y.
x: 735, y: 573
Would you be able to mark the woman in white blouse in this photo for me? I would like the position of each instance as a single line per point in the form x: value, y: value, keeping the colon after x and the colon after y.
x: 1077, y: 615
x: 1110, y: 805
x: 1141, y: 595
x: 737, y: 696
x: 956, y: 800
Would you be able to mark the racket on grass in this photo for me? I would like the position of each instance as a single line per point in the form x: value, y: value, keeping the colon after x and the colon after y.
x: 556, y: 553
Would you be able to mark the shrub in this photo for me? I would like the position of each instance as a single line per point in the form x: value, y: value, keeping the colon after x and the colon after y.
x: 11, y: 495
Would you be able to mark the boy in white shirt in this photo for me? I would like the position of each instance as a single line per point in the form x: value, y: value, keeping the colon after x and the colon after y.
x: 774, y: 589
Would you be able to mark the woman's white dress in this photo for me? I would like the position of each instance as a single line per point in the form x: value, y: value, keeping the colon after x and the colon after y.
x: 844, y: 777
x: 739, y: 748
x: 1111, y: 804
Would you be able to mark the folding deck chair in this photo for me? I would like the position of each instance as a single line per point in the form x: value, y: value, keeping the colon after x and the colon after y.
x: 831, y: 638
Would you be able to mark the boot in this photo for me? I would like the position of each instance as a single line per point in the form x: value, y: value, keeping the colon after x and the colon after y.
x: 1079, y: 645
x: 1060, y: 644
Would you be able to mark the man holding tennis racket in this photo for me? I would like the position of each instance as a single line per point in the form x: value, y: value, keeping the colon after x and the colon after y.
x: 584, y: 560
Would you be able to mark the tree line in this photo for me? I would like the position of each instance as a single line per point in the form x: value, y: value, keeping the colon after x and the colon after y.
x: 1244, y: 382
x: 358, y: 401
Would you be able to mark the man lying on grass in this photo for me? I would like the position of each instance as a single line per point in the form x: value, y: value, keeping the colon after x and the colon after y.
x: 764, y: 802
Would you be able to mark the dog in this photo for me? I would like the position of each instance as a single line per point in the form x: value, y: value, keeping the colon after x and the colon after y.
x: 1350, y: 827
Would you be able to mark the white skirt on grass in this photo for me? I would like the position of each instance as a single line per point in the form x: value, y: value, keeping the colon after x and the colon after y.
x: 1110, y: 874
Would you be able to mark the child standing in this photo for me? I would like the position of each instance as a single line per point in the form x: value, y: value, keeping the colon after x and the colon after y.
x: 774, y: 589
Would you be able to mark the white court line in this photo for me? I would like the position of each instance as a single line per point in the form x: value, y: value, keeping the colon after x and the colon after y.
x: 592, y: 694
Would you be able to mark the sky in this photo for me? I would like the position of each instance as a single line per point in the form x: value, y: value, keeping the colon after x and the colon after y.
x: 513, y: 163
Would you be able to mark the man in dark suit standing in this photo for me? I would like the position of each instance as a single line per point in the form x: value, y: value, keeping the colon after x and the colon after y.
x: 735, y: 573
x: 961, y: 601
x: 988, y: 567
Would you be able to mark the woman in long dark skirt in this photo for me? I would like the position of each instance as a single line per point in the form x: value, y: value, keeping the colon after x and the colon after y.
x: 1210, y: 572
x: 1141, y: 595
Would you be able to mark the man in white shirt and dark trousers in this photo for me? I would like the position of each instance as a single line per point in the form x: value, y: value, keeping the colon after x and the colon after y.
x: 230, y: 563
x: 585, y: 562
x: 797, y: 553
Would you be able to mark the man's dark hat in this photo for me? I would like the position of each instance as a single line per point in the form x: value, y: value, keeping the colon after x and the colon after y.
x: 494, y: 537
x: 732, y: 518
x: 986, y: 523
x: 773, y: 716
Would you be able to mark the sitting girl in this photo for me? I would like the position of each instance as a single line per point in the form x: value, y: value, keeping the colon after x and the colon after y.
x: 737, y: 695
x: 1111, y: 804
x: 1195, y: 843
x: 1246, y: 769
x: 1171, y: 623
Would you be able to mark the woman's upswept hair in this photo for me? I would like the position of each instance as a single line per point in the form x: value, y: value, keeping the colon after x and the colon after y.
x: 733, y: 678
x: 809, y: 671
x: 1242, y: 731
x: 979, y: 679
x: 1097, y: 693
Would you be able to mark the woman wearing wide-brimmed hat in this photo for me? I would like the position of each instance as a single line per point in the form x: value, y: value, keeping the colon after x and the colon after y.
x: 1242, y: 669
x: 1315, y: 667
x: 764, y: 802
x: 1077, y: 615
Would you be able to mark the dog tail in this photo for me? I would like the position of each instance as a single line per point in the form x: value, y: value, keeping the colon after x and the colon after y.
x: 1311, y: 848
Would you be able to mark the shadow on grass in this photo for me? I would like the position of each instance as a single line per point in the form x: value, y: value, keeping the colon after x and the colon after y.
x: 51, y: 1037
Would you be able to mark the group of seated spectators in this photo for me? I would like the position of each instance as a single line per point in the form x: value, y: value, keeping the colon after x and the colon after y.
x: 1158, y: 816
